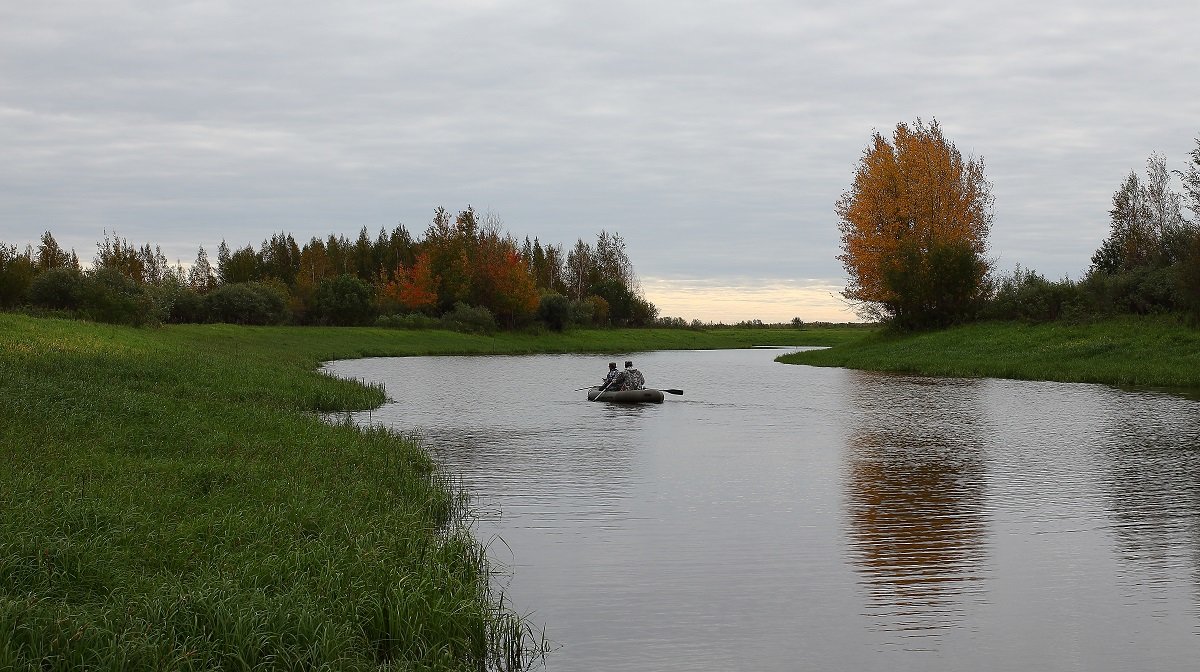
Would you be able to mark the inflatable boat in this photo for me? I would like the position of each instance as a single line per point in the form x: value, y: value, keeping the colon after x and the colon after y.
x: 646, y: 396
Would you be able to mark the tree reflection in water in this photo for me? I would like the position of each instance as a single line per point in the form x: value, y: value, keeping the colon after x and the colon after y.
x: 914, y: 501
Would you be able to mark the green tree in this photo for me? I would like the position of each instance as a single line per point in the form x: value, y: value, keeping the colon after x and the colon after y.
x: 50, y: 255
x: 279, y: 258
x: 241, y: 266
x: 580, y: 270
x: 201, y: 278
x: 1147, y: 229
x: 554, y: 310
x: 117, y: 254
x: 1191, y: 182
x: 345, y: 300
x: 16, y: 274
x: 59, y: 287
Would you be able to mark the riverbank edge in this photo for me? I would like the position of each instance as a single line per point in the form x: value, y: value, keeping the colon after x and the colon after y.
x: 206, y: 440
x: 1151, y: 352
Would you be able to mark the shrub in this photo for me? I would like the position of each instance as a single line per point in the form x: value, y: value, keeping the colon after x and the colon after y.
x: 1026, y: 295
x: 619, y: 300
x: 933, y: 286
x: 189, y: 307
x: 1188, y: 279
x: 344, y: 300
x: 554, y: 310
x: 246, y: 303
x: 58, y: 288
x: 642, y: 312
x: 469, y: 319
x: 109, y: 296
x: 1140, y: 291
x: 16, y: 274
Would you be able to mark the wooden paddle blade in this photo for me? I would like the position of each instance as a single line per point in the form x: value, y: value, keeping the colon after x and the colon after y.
x: 673, y: 391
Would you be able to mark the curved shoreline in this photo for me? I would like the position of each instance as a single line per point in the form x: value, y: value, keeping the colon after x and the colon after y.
x: 1139, y: 352
x: 171, y: 494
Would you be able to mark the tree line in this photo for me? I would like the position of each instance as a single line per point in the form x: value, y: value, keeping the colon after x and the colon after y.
x: 464, y: 272
x: 914, y: 226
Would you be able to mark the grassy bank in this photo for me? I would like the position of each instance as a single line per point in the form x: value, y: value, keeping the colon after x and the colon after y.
x: 171, y: 501
x: 1127, y: 351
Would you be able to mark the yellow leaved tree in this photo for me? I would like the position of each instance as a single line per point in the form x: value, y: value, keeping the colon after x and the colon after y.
x: 914, y: 228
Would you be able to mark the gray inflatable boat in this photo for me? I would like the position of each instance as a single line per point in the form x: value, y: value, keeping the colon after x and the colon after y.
x: 646, y: 396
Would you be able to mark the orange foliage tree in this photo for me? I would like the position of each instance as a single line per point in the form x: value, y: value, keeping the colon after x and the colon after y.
x: 414, y: 288
x: 914, y: 228
x: 516, y: 296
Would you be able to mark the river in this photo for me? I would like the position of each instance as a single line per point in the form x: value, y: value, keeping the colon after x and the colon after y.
x: 779, y: 517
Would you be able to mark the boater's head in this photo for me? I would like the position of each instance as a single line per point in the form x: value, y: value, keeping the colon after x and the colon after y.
x: 612, y: 366
x: 629, y: 365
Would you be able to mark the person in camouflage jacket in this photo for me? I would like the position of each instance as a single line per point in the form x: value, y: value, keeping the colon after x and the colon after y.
x: 633, y: 378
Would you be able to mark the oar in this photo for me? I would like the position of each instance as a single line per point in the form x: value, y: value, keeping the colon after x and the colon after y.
x: 673, y: 391
x: 597, y: 398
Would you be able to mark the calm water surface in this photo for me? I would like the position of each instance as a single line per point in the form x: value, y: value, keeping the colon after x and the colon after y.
x: 795, y: 518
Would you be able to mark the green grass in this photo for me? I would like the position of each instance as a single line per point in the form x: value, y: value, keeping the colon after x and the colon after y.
x: 1128, y: 351
x: 172, y: 500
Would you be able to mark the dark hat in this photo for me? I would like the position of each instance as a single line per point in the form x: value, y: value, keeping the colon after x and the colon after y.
x: 612, y: 365
x: 628, y: 365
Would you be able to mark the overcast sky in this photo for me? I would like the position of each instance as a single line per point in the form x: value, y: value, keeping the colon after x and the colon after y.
x: 715, y: 137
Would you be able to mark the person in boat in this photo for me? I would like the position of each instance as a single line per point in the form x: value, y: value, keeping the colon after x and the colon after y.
x: 614, y: 379
x: 633, y: 378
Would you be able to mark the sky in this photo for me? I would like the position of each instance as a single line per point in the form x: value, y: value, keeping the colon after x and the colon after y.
x: 713, y: 136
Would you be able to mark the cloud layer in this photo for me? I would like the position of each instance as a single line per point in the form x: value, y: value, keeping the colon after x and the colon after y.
x: 714, y: 136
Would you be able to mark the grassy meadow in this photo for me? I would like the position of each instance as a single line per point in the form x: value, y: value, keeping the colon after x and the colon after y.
x: 1129, y: 351
x: 172, y: 501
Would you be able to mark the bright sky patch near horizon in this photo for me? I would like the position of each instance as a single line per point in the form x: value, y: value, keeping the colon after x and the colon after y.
x: 714, y: 136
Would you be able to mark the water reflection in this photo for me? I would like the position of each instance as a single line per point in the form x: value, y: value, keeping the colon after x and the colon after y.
x: 1153, y: 488
x: 915, y: 500
x: 779, y: 518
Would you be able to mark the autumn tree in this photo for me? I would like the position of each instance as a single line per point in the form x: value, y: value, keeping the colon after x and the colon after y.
x: 450, y: 242
x: 515, y: 297
x: 413, y: 288
x: 914, y: 228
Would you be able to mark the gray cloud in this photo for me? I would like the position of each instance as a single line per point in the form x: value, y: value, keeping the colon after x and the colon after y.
x: 715, y: 136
